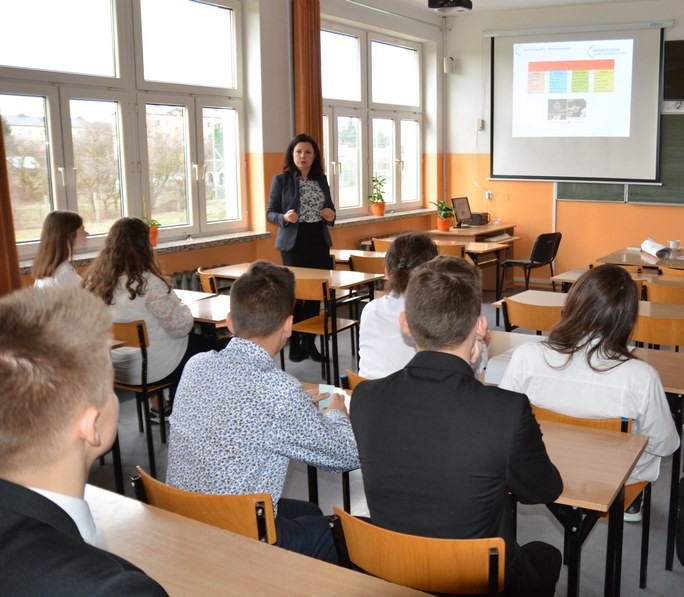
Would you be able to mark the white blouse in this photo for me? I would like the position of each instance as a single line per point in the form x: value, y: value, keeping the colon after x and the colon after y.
x: 65, y: 276
x: 168, y: 323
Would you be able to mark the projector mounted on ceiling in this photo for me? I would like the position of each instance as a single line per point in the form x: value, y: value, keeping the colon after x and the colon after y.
x: 450, y: 6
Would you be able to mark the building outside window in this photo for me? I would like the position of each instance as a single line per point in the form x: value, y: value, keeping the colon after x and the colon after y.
x: 139, y: 113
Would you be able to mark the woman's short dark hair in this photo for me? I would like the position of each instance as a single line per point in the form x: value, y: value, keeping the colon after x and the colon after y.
x: 600, y: 313
x: 405, y: 254
x: 316, y: 171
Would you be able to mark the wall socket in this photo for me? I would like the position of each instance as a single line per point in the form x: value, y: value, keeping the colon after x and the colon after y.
x: 480, y: 124
x: 488, y: 195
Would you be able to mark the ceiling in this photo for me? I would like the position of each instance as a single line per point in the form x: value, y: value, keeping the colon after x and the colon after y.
x: 492, y: 5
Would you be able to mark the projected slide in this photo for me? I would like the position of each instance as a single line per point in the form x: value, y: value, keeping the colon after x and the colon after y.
x: 572, y: 88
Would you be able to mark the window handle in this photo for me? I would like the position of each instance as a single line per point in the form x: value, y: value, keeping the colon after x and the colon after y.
x: 61, y: 174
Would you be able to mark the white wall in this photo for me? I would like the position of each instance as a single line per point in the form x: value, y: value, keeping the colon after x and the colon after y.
x: 468, y: 91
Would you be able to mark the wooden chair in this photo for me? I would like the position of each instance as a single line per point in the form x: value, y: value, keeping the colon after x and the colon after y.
x: 464, y: 566
x: 632, y: 491
x: 451, y: 249
x: 382, y: 244
x: 534, y: 317
x: 543, y: 253
x: 134, y: 334
x: 659, y: 331
x: 353, y: 380
x: 207, y: 281
x: 665, y: 292
x: 250, y: 515
x: 369, y: 265
x: 326, y: 324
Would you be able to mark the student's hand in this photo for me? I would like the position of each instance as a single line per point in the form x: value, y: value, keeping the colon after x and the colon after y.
x: 336, y: 402
x: 291, y: 216
x: 481, y: 341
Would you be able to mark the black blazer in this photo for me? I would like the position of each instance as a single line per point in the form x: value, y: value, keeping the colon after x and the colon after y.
x: 42, y: 553
x: 440, y: 451
x: 283, y: 197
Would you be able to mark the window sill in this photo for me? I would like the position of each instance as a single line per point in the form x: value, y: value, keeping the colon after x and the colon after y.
x: 171, y: 246
x: 390, y: 216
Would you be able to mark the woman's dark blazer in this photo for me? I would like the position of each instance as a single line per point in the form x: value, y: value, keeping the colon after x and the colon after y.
x: 283, y: 197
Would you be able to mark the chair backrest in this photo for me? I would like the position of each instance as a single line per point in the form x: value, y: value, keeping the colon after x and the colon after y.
x: 546, y: 247
x: 533, y: 317
x: 368, y: 265
x: 666, y: 292
x: 671, y: 271
x: 612, y: 424
x: 314, y: 289
x: 354, y: 379
x: 662, y: 331
x: 207, y: 281
x: 131, y: 333
x: 471, y: 566
x: 382, y: 244
x: 250, y: 515
x: 451, y: 249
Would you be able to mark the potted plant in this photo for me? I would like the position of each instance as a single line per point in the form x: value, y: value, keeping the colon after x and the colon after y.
x: 154, y: 230
x: 445, y: 215
x: 376, y: 198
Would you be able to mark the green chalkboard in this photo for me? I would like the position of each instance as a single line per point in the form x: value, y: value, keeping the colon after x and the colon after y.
x: 671, y: 174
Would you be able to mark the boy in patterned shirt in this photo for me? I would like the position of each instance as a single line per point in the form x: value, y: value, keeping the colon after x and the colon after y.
x: 238, y: 419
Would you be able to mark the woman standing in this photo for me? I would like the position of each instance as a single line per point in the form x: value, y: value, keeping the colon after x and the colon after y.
x: 62, y: 233
x: 127, y: 276
x: 300, y: 205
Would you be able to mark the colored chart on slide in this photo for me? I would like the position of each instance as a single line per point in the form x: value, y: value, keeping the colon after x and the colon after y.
x: 571, y: 76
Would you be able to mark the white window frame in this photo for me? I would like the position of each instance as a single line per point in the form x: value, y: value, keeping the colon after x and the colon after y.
x: 56, y: 86
x: 367, y: 110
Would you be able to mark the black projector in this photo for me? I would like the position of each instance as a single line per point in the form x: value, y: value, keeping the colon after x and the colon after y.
x: 450, y: 5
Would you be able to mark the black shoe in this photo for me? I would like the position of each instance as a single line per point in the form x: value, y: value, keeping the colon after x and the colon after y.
x: 154, y: 415
x: 312, y: 352
x: 633, y: 513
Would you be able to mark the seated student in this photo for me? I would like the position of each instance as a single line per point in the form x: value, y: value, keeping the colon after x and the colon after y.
x: 238, y: 419
x: 58, y: 414
x: 586, y: 369
x: 128, y: 277
x: 383, y: 347
x: 439, y: 451
x: 62, y: 233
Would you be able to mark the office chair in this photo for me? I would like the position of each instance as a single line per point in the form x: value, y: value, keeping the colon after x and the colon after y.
x: 543, y: 253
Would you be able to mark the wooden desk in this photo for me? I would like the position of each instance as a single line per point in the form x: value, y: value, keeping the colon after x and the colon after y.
x: 557, y: 299
x: 342, y: 256
x: 640, y: 258
x: 213, y: 309
x: 594, y: 465
x: 337, y: 280
x: 190, y: 296
x: 670, y: 367
x: 192, y: 558
x: 567, y: 279
x: 474, y: 233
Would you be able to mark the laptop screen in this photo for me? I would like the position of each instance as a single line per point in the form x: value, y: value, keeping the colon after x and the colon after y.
x: 461, y: 207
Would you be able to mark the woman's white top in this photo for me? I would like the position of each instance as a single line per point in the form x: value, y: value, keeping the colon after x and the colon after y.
x: 383, y: 348
x: 631, y: 390
x: 65, y: 276
x: 168, y: 323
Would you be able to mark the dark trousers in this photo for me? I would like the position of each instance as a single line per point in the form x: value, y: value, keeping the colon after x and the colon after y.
x: 310, y: 250
x: 534, y: 570
x: 301, y: 527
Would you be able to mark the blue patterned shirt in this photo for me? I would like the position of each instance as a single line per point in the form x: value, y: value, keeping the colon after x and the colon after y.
x: 238, y: 419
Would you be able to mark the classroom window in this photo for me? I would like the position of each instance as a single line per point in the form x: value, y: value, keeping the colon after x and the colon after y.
x: 372, y: 117
x: 133, y: 130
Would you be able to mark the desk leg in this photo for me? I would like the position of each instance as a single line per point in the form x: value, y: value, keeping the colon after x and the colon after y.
x: 675, y: 401
x: 614, y: 547
x: 575, y: 531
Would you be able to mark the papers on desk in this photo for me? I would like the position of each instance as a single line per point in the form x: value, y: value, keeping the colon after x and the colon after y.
x: 656, y: 249
x: 502, y: 345
x: 496, y: 367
